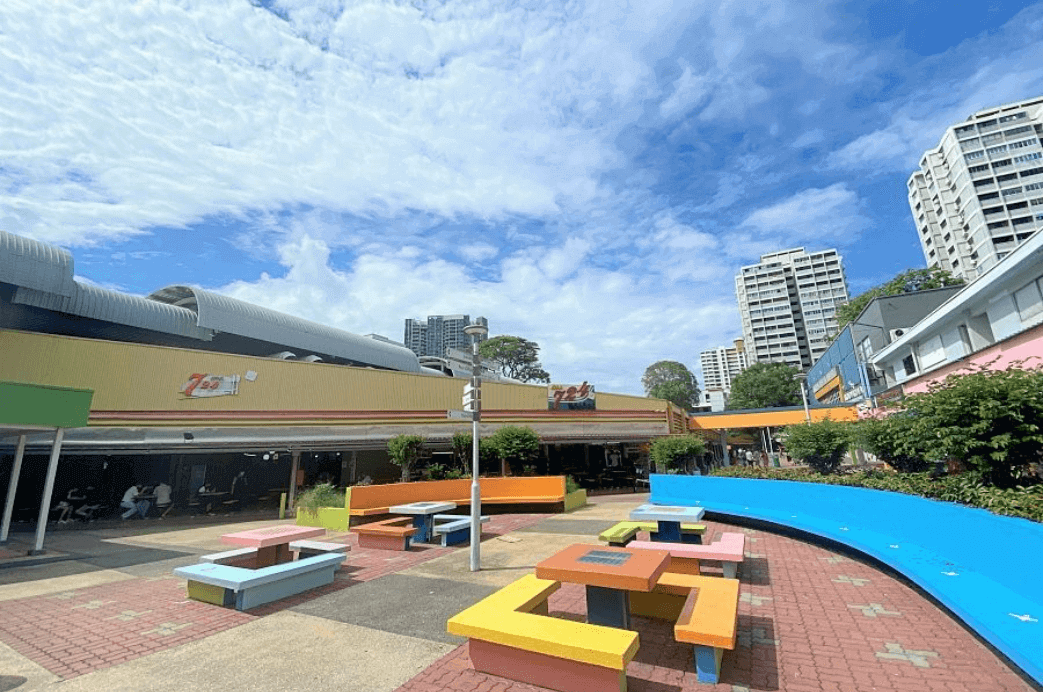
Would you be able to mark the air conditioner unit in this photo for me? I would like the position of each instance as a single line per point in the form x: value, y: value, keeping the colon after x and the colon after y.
x: 896, y: 333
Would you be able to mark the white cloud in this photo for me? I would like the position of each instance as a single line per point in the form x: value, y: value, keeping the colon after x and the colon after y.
x: 819, y: 216
x: 809, y: 139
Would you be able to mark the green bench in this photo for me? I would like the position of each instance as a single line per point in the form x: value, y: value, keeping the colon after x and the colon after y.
x: 625, y: 531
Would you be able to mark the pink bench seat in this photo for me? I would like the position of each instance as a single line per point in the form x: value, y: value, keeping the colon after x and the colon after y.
x: 729, y: 549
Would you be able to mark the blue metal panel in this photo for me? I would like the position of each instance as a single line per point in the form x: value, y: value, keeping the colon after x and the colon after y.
x: 983, y: 567
x: 608, y: 607
x: 707, y: 664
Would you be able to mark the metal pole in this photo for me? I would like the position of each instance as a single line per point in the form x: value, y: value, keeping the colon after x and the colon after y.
x: 12, y: 488
x: 476, y: 490
x: 48, y: 489
x: 804, y: 396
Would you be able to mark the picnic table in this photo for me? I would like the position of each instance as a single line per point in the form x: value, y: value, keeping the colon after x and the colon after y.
x: 609, y: 575
x: 272, y: 542
x: 668, y: 518
x: 423, y: 514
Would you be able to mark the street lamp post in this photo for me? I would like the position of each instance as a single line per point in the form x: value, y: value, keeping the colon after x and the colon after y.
x: 802, y: 378
x: 475, y: 331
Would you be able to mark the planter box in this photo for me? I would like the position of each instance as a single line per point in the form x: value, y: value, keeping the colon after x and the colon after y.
x: 329, y: 518
x: 575, y: 500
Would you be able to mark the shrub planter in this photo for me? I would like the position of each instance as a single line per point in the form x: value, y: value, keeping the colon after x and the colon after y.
x: 575, y: 500
x: 329, y: 518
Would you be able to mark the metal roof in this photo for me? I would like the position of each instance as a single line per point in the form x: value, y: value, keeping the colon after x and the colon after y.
x: 118, y: 308
x: 232, y: 316
x: 30, y: 263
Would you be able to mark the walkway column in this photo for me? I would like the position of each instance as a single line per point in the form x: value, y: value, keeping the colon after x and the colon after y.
x: 292, y: 497
x: 725, y: 459
x: 48, y: 489
x: 12, y: 488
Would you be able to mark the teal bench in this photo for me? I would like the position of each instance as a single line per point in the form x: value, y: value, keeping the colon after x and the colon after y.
x: 311, y: 548
x: 454, y: 528
x: 242, y: 589
x: 240, y: 557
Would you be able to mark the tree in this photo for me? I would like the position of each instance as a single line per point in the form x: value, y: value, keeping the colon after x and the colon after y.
x: 675, y: 451
x: 882, y: 437
x: 515, y: 357
x: 765, y: 385
x: 991, y: 420
x: 670, y: 380
x: 404, y: 451
x: 821, y: 445
x: 517, y: 447
x: 908, y: 281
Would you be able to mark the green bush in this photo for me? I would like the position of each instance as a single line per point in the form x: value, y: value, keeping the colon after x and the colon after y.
x: 881, y: 437
x: 674, y: 452
x: 964, y: 488
x: 516, y: 446
x: 443, y: 472
x: 821, y: 445
x: 404, y: 451
x: 321, y: 495
x: 571, y: 485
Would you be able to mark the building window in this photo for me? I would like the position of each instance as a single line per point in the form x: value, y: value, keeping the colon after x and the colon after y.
x: 1029, y: 301
x: 973, y: 155
x: 1027, y: 157
x: 909, y: 365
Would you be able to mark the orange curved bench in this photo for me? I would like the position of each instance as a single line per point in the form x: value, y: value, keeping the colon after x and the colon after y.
x: 374, y: 500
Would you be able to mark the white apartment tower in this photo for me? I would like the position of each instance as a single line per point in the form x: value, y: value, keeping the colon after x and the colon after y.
x: 979, y: 193
x: 721, y: 365
x: 788, y: 303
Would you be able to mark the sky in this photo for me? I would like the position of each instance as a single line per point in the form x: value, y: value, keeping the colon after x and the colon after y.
x: 589, y: 175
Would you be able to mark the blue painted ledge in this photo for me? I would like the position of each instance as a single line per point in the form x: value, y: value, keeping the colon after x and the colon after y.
x: 987, y: 569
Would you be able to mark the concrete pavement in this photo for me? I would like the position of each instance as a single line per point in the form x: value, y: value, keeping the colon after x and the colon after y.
x: 113, y: 618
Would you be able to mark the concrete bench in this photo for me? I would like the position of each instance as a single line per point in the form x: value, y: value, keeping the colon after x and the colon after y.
x: 311, y: 548
x: 705, y: 611
x: 729, y: 550
x: 625, y: 531
x: 389, y: 534
x: 240, y: 557
x: 510, y: 634
x: 242, y: 589
x: 454, y: 528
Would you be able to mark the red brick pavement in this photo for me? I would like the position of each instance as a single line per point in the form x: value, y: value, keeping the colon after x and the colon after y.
x: 75, y: 632
x: 809, y: 621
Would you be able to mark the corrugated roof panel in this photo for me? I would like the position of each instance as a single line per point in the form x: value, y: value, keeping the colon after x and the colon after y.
x: 118, y: 308
x: 232, y: 316
x: 32, y: 264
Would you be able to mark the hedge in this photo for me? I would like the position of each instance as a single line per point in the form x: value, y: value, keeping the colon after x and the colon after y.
x: 962, y: 488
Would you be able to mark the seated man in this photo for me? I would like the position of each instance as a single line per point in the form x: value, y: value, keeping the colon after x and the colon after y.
x: 162, y: 492
x: 132, y: 504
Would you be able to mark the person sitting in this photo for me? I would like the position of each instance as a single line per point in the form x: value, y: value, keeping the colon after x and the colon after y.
x: 86, y: 511
x: 132, y: 504
x: 162, y: 492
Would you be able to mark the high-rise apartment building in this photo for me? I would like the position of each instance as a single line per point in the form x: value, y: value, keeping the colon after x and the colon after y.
x: 979, y: 193
x: 438, y: 333
x: 788, y: 303
x: 721, y: 365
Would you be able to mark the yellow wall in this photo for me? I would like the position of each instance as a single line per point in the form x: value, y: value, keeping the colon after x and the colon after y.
x: 132, y: 377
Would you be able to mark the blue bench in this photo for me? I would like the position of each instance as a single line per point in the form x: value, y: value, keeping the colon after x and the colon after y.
x: 242, y: 589
x: 306, y: 549
x: 454, y: 528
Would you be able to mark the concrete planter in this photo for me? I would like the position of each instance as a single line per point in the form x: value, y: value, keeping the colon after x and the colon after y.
x: 575, y: 500
x: 329, y: 518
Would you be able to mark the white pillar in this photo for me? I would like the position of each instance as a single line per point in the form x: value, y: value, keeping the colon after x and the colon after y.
x: 295, y: 455
x: 12, y: 488
x: 48, y: 489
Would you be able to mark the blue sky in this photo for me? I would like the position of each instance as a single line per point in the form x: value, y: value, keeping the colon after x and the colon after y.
x: 588, y: 175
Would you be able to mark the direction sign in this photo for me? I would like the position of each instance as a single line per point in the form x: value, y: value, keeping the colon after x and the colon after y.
x: 459, y: 415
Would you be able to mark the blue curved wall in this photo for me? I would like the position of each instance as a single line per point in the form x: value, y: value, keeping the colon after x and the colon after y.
x: 985, y: 568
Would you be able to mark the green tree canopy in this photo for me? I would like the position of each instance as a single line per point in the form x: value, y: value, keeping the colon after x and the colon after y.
x: 821, y: 445
x: 675, y: 451
x: 404, y: 451
x: 990, y: 419
x: 670, y: 380
x: 515, y: 357
x: 765, y: 385
x: 908, y: 281
x: 517, y: 446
